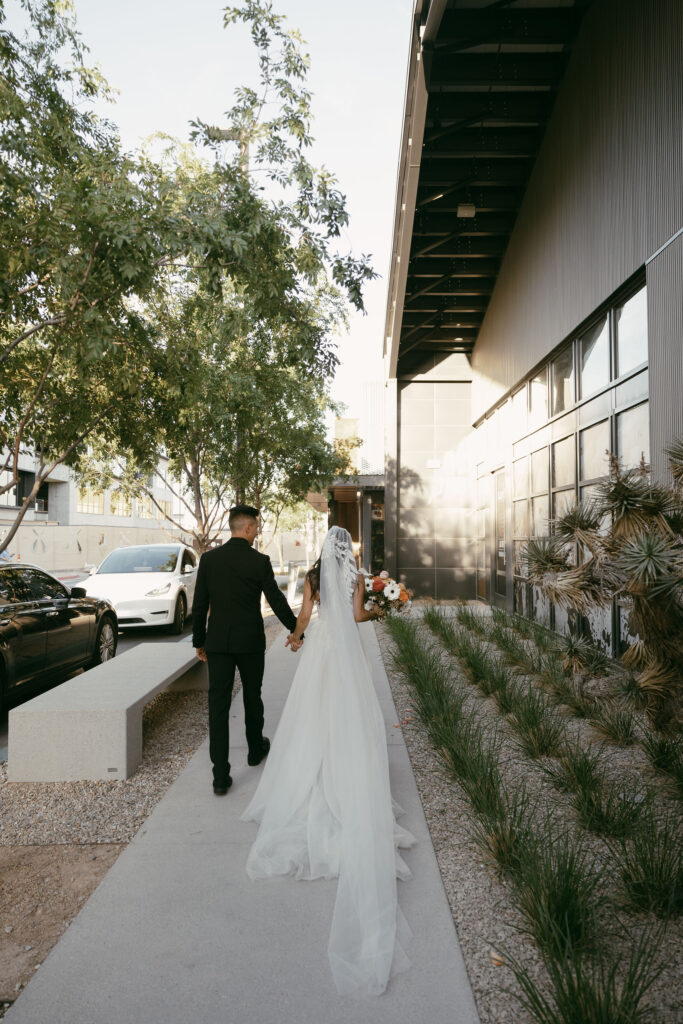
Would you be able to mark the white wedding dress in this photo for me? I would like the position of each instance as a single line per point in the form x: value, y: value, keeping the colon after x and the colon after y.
x: 324, y: 803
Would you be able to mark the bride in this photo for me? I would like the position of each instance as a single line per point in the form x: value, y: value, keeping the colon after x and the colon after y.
x: 323, y: 802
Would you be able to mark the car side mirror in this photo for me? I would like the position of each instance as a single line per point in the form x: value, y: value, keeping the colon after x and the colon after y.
x: 92, y: 570
x: 78, y: 592
x: 187, y: 569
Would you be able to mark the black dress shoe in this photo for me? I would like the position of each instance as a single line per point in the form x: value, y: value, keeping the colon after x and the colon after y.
x: 221, y: 788
x: 254, y: 759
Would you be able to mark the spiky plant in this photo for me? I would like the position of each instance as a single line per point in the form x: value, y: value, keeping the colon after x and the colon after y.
x: 638, y: 561
x: 675, y: 453
x: 580, y: 655
x: 581, y: 524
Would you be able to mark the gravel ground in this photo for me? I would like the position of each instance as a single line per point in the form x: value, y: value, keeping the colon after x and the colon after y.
x: 58, y: 840
x: 486, y: 922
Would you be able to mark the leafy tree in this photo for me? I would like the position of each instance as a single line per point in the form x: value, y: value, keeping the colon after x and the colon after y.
x: 630, y: 541
x: 100, y: 251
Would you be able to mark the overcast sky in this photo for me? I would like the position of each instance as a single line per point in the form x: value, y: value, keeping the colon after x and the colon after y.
x: 173, y: 61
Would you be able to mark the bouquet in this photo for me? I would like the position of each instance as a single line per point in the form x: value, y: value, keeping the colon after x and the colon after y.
x: 384, y: 593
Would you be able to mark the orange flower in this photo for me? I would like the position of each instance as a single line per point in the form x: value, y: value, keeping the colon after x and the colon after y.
x: 404, y: 596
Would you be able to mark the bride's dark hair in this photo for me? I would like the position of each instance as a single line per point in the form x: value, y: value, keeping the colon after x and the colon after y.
x: 313, y: 577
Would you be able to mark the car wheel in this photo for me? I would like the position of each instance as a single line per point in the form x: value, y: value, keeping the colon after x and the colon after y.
x: 105, y: 644
x: 178, y: 624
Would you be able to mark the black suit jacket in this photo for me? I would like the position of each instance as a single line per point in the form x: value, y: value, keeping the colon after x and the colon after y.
x: 230, y: 580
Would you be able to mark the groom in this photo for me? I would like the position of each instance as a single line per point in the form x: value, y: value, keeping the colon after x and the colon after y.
x: 230, y: 580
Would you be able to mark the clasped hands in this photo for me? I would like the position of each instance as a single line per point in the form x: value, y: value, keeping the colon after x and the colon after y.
x: 294, y: 642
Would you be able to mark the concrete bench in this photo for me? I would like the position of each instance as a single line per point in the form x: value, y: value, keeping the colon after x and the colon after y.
x: 90, y: 727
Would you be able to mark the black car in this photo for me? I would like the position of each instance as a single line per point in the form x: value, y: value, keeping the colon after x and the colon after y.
x: 48, y: 630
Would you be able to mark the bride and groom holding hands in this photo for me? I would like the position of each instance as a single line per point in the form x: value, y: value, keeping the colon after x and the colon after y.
x: 323, y: 803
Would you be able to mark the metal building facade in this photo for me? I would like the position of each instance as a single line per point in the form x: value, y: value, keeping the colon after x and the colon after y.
x: 571, y: 204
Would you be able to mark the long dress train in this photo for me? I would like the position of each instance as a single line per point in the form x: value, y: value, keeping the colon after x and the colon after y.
x: 325, y: 809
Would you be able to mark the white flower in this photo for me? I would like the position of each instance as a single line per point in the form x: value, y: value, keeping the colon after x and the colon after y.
x: 369, y: 605
x: 368, y: 583
x: 392, y: 591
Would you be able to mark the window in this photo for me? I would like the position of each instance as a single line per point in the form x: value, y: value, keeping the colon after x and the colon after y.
x: 43, y: 586
x: 539, y: 471
x: 540, y: 511
x: 120, y: 504
x: 595, y: 357
x: 538, y: 395
x: 483, y: 568
x: 633, y: 435
x: 520, y: 478
x: 188, y: 559
x: 630, y: 321
x: 518, y: 408
x: 562, y: 381
x: 564, y: 473
x: 8, y: 498
x: 500, y: 577
x: 13, y: 590
x: 594, y: 445
x: 540, y: 514
x: 166, y: 508
x: 146, y: 508
x: 90, y: 501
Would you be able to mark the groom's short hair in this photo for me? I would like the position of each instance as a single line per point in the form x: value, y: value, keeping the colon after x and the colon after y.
x: 240, y: 514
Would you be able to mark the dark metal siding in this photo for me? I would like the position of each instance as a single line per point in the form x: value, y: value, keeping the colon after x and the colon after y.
x: 605, y: 192
x: 665, y: 343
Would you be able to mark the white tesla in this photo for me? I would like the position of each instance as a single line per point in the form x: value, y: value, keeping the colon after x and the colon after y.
x: 148, y: 585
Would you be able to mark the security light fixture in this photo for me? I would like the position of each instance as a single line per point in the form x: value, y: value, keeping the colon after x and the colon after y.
x: 466, y: 210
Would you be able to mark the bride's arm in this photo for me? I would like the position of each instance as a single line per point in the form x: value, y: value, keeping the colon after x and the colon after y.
x: 304, y: 616
x: 359, y: 612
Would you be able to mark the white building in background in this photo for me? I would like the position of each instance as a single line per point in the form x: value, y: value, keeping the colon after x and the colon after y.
x: 69, y: 527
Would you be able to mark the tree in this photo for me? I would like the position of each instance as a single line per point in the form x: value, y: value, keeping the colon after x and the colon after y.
x: 90, y: 239
x: 630, y: 542
x: 240, y: 407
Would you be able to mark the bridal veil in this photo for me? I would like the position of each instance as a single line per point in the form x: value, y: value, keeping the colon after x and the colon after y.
x: 324, y: 801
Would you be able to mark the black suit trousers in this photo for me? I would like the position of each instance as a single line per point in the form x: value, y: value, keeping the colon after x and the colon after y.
x: 221, y: 681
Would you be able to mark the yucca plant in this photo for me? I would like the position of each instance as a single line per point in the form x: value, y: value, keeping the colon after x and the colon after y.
x: 580, y: 655
x: 675, y: 453
x: 580, y: 524
x: 636, y: 559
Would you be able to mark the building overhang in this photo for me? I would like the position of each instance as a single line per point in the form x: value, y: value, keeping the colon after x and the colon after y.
x: 483, y: 76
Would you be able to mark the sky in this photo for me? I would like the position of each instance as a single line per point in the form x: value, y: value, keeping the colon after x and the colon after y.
x: 172, y: 61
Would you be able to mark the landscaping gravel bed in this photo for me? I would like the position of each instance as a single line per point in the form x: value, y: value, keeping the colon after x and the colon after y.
x: 486, y: 922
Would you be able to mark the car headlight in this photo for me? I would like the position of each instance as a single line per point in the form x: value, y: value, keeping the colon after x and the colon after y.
x: 164, y: 589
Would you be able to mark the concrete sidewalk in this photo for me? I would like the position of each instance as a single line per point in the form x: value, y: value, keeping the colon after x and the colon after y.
x: 177, y: 934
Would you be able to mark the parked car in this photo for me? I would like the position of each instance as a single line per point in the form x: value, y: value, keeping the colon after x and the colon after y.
x: 148, y: 585
x: 48, y: 630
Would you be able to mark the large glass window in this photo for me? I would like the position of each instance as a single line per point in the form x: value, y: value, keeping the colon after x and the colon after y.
x: 538, y: 398
x: 562, y: 381
x: 519, y: 413
x: 594, y: 445
x: 539, y: 471
x: 594, y: 346
x: 119, y: 504
x: 564, y: 470
x: 520, y: 477
x: 633, y: 435
x: 539, y: 516
x: 9, y: 497
x: 90, y: 501
x: 631, y: 331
